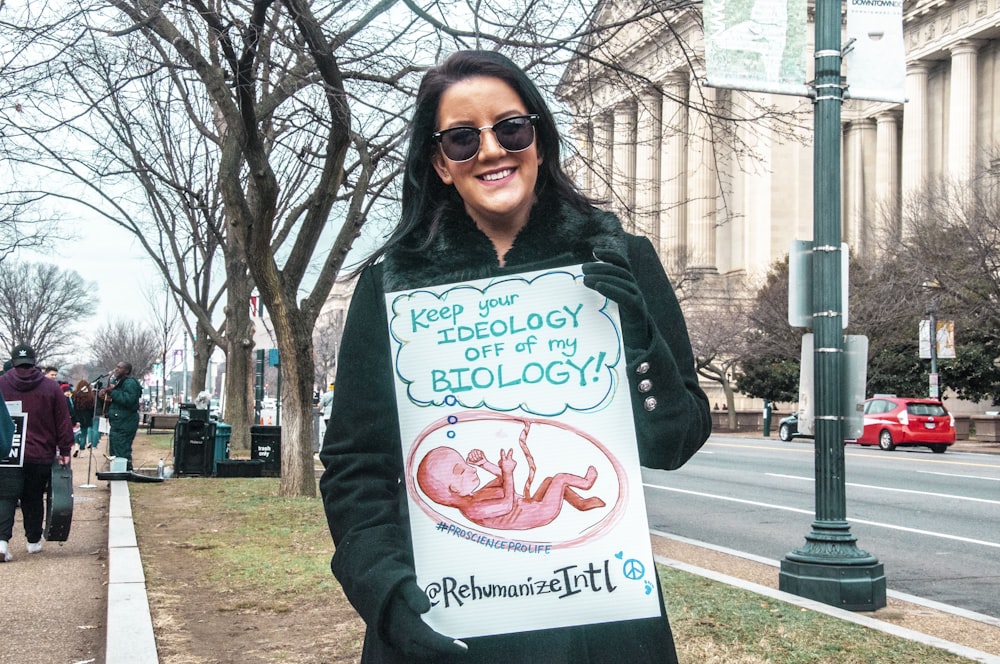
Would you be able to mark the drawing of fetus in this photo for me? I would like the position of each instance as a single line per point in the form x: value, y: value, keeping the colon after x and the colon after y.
x: 451, y: 480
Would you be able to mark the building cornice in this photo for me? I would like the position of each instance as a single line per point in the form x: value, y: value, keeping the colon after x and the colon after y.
x: 932, y: 27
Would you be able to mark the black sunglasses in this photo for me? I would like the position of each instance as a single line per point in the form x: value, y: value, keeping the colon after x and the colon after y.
x: 514, y: 134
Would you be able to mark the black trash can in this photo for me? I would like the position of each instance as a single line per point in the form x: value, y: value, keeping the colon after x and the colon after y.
x: 194, y: 446
x: 265, y: 444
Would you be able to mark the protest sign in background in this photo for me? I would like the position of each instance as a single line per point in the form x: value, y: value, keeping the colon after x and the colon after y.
x: 16, y: 456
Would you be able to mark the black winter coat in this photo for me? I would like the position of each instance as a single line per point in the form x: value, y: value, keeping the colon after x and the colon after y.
x: 363, y: 486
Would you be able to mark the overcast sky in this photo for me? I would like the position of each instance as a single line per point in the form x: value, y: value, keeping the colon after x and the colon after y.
x: 105, y: 255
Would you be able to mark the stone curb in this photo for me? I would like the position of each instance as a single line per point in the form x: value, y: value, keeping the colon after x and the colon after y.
x: 130, y: 637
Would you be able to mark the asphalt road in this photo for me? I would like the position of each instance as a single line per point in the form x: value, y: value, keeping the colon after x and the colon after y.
x: 933, y: 520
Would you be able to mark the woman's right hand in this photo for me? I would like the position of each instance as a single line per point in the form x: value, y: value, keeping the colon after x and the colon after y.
x: 410, y: 635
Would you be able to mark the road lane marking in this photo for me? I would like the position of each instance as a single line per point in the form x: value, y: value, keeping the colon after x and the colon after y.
x: 965, y: 477
x: 784, y: 508
x: 885, y: 488
x: 862, y: 455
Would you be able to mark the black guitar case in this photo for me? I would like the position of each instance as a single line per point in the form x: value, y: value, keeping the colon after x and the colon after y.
x: 59, y: 504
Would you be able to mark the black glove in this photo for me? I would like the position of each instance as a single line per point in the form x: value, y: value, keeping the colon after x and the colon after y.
x: 613, y: 279
x: 410, y: 635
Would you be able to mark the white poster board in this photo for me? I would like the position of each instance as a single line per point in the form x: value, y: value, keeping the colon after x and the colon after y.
x: 525, y: 495
x: 16, y: 456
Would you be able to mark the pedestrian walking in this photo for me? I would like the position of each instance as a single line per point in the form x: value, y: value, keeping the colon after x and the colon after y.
x: 47, y: 439
x: 84, y: 402
x: 326, y: 404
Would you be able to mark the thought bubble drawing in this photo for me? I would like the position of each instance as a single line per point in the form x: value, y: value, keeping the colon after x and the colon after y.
x: 540, y: 342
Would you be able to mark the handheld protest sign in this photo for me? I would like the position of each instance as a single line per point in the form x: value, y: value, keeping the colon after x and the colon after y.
x: 522, y: 471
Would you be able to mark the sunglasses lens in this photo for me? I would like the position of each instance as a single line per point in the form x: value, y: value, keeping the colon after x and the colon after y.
x: 460, y: 144
x: 515, y: 134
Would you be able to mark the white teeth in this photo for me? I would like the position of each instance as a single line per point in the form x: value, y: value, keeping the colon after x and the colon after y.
x: 489, y: 177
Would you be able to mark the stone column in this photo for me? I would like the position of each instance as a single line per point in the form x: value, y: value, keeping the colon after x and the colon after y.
x: 887, y: 176
x: 857, y: 189
x: 915, y: 132
x: 647, y: 166
x: 702, y: 182
x: 673, y: 173
x: 584, y: 160
x: 602, y: 156
x: 623, y: 165
x: 962, y: 112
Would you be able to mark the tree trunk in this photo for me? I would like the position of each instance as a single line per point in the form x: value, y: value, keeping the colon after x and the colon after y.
x: 239, y: 356
x: 296, y: 365
x: 202, y: 347
x: 727, y: 389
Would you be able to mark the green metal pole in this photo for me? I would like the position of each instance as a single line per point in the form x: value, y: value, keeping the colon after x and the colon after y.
x: 829, y: 567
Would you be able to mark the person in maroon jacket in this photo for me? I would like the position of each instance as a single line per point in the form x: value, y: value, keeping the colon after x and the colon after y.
x: 48, y: 438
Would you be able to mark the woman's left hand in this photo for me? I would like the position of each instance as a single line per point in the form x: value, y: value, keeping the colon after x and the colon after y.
x: 613, y: 278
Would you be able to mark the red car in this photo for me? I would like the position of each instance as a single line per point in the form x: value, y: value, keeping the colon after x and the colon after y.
x: 892, y: 422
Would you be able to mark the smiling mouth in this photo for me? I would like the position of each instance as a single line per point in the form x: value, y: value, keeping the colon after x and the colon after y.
x: 499, y: 175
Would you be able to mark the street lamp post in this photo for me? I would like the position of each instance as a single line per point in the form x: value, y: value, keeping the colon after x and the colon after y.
x: 932, y: 309
x: 829, y: 567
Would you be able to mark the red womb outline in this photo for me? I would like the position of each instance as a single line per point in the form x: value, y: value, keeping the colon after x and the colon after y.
x: 595, y: 531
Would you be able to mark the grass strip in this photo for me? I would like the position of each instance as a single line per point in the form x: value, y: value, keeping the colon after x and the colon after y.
x: 273, y: 553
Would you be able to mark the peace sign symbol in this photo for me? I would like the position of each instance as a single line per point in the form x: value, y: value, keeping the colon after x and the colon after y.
x: 633, y: 569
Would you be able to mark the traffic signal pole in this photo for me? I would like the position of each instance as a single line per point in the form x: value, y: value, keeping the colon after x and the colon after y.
x: 829, y: 567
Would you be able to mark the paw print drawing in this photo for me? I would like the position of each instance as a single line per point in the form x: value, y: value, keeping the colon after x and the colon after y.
x: 649, y: 587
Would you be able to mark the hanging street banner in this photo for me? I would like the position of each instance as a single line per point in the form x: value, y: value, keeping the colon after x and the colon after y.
x: 522, y: 470
x: 876, y: 54
x: 756, y: 45
x: 945, y: 337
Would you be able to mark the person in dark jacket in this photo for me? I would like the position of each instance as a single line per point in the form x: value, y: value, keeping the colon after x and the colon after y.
x: 83, y: 402
x: 122, y: 398
x: 484, y: 194
x: 48, y: 438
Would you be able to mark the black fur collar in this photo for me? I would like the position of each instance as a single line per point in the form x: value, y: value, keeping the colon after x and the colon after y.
x: 556, y: 234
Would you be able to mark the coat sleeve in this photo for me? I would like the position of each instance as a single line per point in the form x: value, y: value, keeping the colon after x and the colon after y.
x: 671, y: 411
x: 362, y: 485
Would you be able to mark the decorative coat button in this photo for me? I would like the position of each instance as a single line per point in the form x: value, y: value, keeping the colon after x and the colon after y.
x: 649, y: 403
x: 645, y: 385
x: 642, y: 368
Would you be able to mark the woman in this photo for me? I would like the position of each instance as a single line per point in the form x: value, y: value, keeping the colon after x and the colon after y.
x: 492, y: 200
x: 83, y: 402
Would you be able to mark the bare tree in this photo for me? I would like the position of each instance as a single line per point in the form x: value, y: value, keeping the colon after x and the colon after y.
x: 42, y: 305
x: 951, y: 240
x: 18, y: 231
x: 166, y: 322
x: 300, y: 119
x: 126, y: 341
x: 718, y: 338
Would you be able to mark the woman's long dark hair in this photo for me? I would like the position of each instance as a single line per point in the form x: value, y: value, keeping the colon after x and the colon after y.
x: 83, y: 396
x: 425, y: 197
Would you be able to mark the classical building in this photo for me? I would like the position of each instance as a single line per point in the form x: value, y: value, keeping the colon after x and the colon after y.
x: 726, y: 190
x: 722, y: 180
